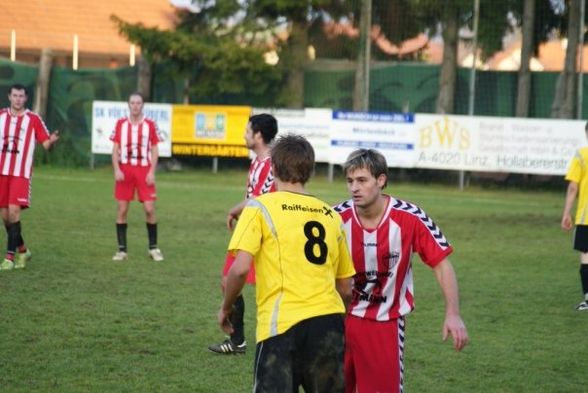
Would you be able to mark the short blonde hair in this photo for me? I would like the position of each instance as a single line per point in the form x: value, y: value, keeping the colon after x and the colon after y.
x: 370, y: 159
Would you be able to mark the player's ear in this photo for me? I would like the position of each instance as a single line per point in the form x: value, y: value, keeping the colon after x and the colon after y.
x: 381, y: 180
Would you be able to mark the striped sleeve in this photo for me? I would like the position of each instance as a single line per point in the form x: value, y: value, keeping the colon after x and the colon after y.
x: 154, y: 134
x: 428, y: 240
x: 41, y: 131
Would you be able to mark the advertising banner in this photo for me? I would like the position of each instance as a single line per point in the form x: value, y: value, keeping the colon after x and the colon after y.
x: 313, y: 123
x: 393, y: 134
x: 209, y: 130
x: 106, y: 113
x: 497, y: 144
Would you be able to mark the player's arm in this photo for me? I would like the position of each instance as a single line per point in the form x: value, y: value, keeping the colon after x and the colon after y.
x: 566, y: 218
x: 150, y: 179
x: 236, y: 277
x: 344, y: 287
x: 234, y: 214
x: 53, y: 138
x: 118, y: 174
x: 453, y: 324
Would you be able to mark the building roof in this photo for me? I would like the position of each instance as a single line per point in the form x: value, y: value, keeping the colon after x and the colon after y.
x: 333, y: 29
x: 53, y: 23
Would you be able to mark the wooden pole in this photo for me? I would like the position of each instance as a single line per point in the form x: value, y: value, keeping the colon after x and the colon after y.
x: 75, y: 52
x: 132, y: 55
x: 361, y: 94
x: 42, y: 88
x: 581, y: 61
x: 144, y: 78
x: 13, y: 45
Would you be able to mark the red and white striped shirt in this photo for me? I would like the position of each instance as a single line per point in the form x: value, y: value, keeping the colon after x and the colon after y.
x: 135, y: 140
x: 18, y: 135
x: 383, y: 285
x: 261, y: 179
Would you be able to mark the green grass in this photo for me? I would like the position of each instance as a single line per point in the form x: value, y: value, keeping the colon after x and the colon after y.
x: 74, y: 321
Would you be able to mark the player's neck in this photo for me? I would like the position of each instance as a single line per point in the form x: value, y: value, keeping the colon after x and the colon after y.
x: 371, y: 215
x: 262, y: 152
x: 17, y: 112
x: 136, y: 119
x: 290, y: 187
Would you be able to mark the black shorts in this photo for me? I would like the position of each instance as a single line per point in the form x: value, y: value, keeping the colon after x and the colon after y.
x: 581, y: 238
x: 310, y: 354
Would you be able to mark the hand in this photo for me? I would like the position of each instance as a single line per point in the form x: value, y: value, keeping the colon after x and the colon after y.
x: 150, y: 179
x: 54, y: 137
x: 232, y: 218
x: 118, y: 175
x: 454, y: 325
x: 224, y: 321
x: 566, y: 222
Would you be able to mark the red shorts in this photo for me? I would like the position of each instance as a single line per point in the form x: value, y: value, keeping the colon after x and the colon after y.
x: 229, y: 262
x: 374, y: 353
x: 15, y: 190
x: 135, y: 176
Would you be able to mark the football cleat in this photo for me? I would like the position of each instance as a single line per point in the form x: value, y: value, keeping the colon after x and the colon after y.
x: 582, y: 306
x: 21, y: 259
x: 120, y: 256
x: 155, y: 254
x: 228, y: 347
x: 6, y: 264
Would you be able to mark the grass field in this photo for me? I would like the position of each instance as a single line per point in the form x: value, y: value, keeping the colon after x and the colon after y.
x: 75, y: 321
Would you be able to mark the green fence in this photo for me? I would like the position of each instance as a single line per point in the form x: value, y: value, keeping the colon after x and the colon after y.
x: 393, y: 88
x: 414, y: 88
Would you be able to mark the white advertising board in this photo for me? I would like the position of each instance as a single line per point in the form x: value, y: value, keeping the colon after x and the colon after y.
x: 393, y: 134
x: 497, y: 144
x: 313, y: 123
x: 106, y: 113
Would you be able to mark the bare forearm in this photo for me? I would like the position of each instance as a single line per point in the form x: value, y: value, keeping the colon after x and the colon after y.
x: 447, y: 280
x: 343, y: 286
x: 236, y: 278
x: 234, y: 286
x: 571, y: 194
x: 53, y: 138
x: 154, y: 158
x: 115, y: 157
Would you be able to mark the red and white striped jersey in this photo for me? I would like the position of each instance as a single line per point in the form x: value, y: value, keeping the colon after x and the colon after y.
x: 135, y: 140
x: 261, y: 179
x: 383, y: 284
x: 18, y: 135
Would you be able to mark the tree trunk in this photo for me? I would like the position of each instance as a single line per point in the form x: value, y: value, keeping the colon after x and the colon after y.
x: 448, y: 76
x: 361, y: 92
x: 144, y: 78
x: 296, y: 58
x: 42, y: 88
x: 565, y: 90
x: 524, y: 79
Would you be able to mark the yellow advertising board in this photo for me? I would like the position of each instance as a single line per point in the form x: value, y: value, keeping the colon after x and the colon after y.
x: 209, y: 130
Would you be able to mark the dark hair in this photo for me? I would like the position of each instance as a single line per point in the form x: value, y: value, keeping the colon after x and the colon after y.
x: 292, y: 159
x: 370, y: 159
x: 18, y: 86
x: 136, y: 93
x: 266, y: 124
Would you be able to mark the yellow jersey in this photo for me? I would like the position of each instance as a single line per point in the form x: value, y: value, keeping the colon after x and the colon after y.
x: 578, y: 173
x: 299, y: 249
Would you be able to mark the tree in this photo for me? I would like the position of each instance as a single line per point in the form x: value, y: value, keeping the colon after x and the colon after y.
x: 294, y: 54
x: 524, y: 76
x: 219, y: 48
x: 217, y: 57
x: 565, y: 91
x: 452, y: 15
x: 361, y: 90
x: 448, y: 74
